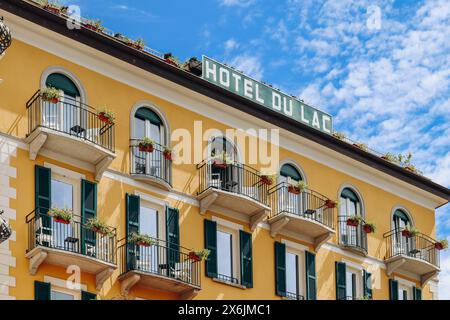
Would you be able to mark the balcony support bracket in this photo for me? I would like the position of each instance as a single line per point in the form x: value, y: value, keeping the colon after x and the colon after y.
x: 277, y: 226
x: 36, y: 145
x: 207, y: 201
x: 102, y: 276
x: 188, y: 294
x: 36, y: 260
x: 128, y: 283
x: 320, y: 240
x: 427, y: 277
x: 101, y: 167
x: 257, y: 218
x: 394, y: 265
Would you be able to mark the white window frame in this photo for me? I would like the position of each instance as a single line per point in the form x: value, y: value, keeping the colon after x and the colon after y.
x: 358, y: 272
x: 301, y: 272
x: 60, y: 285
x: 405, y: 285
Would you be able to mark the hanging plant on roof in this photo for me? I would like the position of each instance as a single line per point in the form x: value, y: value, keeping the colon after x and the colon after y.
x: 389, y: 157
x: 138, y: 44
x: 361, y: 146
x: 339, y: 135
x: 94, y: 25
x: 171, y: 59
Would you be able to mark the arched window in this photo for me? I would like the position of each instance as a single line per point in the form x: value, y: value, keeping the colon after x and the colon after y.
x: 400, y: 220
x: 219, y: 145
x: 63, y: 83
x: 350, y: 203
x: 148, y: 124
x: 289, y: 172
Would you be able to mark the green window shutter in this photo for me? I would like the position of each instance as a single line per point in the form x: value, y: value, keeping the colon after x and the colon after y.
x: 246, y: 259
x: 61, y: 82
x: 393, y: 289
x: 367, y: 284
x: 88, y: 211
x: 42, y: 290
x: 341, y: 282
x: 43, y: 198
x: 144, y: 113
x: 133, y: 206
x: 280, y: 269
x: 417, y: 294
x: 88, y: 296
x: 173, y: 236
x: 311, y: 290
x: 211, y: 245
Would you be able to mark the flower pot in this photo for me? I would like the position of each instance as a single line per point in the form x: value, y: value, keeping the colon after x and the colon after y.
x: 146, y: 148
x: 410, y: 169
x: 220, y: 164
x: 407, y: 233
x: 367, y: 228
x: 143, y: 244
x: 352, y: 223
x: 60, y: 220
x: 330, y: 204
x: 91, y: 27
x: 96, y: 230
x: 167, y: 156
x: 266, y: 181
x: 52, y: 100
x: 438, y: 246
x: 103, y: 118
x: 53, y: 9
x: 294, y: 190
x: 194, y: 257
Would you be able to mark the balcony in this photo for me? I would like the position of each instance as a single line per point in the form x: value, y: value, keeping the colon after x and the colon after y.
x: 416, y: 255
x: 161, y: 266
x: 72, y: 129
x: 70, y: 244
x: 303, y: 215
x: 352, y: 238
x: 234, y: 189
x: 151, y: 167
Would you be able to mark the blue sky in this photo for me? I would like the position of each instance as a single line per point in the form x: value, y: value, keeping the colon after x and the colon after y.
x: 386, y: 82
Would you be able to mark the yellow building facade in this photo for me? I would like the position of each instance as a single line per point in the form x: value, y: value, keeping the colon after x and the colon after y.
x: 278, y: 240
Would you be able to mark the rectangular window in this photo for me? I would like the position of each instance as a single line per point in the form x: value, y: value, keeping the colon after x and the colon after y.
x: 404, y: 292
x: 354, y: 283
x: 225, y: 255
x: 149, y: 223
x: 292, y: 275
x: 57, y: 295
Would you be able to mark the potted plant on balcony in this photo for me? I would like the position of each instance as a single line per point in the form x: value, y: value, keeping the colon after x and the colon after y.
x: 64, y: 216
x: 98, y: 226
x: 146, y: 145
x: 339, y: 135
x: 441, y: 244
x: 199, y: 255
x: 267, y: 179
x: 94, y: 25
x: 106, y: 116
x: 167, y: 153
x: 50, y: 94
x: 369, y: 227
x: 410, y: 232
x: 353, y: 221
x: 361, y: 146
x: 171, y: 59
x: 142, y: 240
x: 330, y: 204
x: 221, y: 160
x: 297, y: 187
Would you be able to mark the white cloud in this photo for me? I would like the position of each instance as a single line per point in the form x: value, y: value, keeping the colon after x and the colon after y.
x: 230, y: 45
x: 239, y: 3
x: 248, y: 64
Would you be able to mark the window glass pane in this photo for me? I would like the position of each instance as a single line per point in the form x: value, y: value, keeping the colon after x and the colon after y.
x: 62, y: 195
x: 349, y: 284
x: 224, y: 254
x: 56, y: 295
x: 155, y: 133
x: 139, y: 128
x: 291, y: 273
x: 148, y: 222
x: 289, y: 171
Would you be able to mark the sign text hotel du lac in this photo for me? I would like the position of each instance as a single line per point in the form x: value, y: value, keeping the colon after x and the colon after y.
x: 271, y: 98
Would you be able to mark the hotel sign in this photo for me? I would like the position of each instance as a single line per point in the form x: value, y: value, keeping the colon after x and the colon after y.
x: 236, y: 82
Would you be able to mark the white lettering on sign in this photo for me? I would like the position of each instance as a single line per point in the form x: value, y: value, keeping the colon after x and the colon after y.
x: 224, y: 77
x: 248, y: 88
x: 258, y: 97
x: 276, y: 101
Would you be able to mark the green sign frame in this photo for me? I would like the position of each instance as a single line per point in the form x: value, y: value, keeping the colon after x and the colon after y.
x: 256, y: 91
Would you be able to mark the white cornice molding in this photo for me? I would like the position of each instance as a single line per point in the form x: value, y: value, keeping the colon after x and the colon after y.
x: 132, y: 76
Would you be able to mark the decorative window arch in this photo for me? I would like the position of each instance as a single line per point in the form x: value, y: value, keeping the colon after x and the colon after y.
x: 291, y: 169
x: 219, y: 143
x: 401, y: 218
x: 147, y: 120
x: 351, y: 201
x: 67, y: 81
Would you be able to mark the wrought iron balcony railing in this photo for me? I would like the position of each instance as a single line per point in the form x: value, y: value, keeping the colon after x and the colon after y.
x: 418, y: 246
x: 353, y: 237
x: 150, y: 164
x: 234, y: 177
x: 307, y: 204
x: 74, y: 237
x: 70, y: 117
x: 161, y: 259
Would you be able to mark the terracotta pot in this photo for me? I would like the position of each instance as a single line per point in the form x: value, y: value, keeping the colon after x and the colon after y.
x: 352, y: 223
x: 53, y: 9
x: 293, y: 190
x: 367, y: 228
x: 192, y: 256
x: 91, y: 27
x: 59, y: 220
